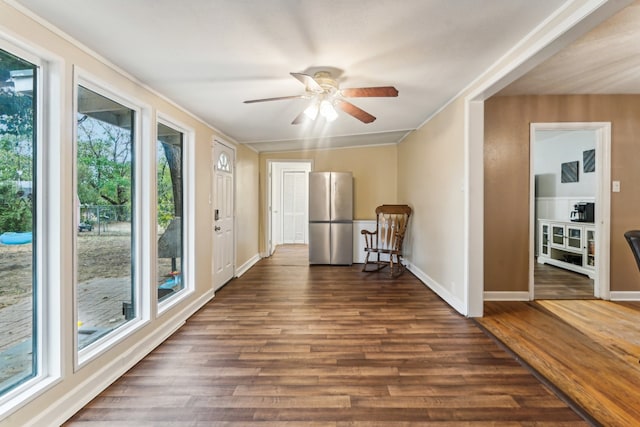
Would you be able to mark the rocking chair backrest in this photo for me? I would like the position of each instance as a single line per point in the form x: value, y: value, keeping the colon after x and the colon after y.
x: 391, y: 225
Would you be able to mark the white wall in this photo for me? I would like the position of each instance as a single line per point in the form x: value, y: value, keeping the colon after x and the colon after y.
x: 431, y: 171
x: 551, y: 149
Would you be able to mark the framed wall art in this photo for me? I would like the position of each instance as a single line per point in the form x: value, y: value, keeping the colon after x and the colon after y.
x: 569, y: 172
x: 589, y: 161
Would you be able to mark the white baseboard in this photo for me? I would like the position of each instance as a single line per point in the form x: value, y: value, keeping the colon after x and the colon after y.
x: 506, y: 296
x: 70, y: 403
x: 440, y: 290
x: 247, y: 265
x: 624, y: 295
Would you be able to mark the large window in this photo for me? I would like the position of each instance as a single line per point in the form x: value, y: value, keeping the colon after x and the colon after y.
x: 169, y: 162
x: 18, y: 286
x: 105, y: 285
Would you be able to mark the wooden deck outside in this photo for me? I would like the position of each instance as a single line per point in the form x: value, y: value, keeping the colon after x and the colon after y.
x: 291, y: 345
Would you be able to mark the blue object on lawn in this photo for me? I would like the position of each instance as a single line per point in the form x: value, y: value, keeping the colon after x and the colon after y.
x: 13, y: 238
x: 168, y: 284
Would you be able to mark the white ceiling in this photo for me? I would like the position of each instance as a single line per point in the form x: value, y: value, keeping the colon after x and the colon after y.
x: 208, y: 56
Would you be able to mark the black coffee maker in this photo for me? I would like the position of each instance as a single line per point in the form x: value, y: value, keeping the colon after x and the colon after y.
x: 583, y: 212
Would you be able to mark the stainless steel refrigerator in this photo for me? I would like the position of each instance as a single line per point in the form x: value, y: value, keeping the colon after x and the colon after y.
x: 331, y: 218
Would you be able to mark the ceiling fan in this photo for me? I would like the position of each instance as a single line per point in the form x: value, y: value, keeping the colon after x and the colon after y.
x: 325, y: 95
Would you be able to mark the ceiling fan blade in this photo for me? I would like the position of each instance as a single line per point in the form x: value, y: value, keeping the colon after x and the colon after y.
x: 300, y: 118
x: 279, y: 98
x: 308, y: 81
x: 356, y: 112
x: 360, y: 92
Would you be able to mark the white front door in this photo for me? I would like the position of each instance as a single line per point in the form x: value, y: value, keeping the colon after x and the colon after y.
x: 223, y: 214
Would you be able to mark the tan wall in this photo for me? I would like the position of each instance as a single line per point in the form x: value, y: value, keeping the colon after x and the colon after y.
x: 374, y: 176
x: 247, y: 165
x: 506, y: 162
x: 431, y: 181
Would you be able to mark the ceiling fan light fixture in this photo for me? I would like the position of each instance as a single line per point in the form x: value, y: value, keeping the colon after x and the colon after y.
x: 328, y: 111
x: 325, y: 94
x: 312, y: 110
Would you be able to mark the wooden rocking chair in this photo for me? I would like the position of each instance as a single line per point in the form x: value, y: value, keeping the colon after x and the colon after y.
x: 391, y: 226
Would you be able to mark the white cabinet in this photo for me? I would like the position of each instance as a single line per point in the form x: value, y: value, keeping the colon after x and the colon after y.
x: 569, y: 245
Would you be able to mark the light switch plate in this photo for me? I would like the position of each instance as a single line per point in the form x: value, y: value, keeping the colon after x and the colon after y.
x: 615, y: 186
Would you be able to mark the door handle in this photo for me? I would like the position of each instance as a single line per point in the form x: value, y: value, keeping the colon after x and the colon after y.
x: 216, y: 228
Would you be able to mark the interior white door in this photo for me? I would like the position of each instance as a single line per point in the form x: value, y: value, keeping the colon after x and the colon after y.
x: 275, y: 234
x: 223, y: 215
x: 294, y: 206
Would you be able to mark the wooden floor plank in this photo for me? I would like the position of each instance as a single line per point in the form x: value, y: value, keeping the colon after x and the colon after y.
x: 615, y: 327
x: 551, y: 282
x: 574, y: 354
x: 288, y: 344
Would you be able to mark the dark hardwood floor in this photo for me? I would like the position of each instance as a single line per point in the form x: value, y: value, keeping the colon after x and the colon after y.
x: 557, y: 283
x: 291, y: 345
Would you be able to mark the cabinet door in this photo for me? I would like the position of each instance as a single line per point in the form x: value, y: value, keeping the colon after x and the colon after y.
x: 590, y: 260
x: 544, y: 239
x: 574, y: 238
x: 557, y: 235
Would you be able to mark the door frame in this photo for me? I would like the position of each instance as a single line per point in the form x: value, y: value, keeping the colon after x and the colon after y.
x: 602, y: 200
x: 212, y: 199
x: 270, y: 191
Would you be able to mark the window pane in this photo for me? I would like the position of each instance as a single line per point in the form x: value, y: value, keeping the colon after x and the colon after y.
x: 18, y: 335
x: 105, y: 293
x: 169, y: 217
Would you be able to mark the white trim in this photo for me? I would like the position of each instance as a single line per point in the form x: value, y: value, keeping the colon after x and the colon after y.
x: 188, y: 213
x: 359, y: 253
x: 436, y: 287
x: 602, y: 201
x: 473, y: 262
x: 506, y: 296
x: 624, y: 295
x: 320, y: 139
x: 550, y: 198
x: 571, y: 24
x: 306, y: 149
x: 75, y: 399
x: 247, y: 265
x: 141, y: 137
x: 268, y: 201
x: 47, y: 297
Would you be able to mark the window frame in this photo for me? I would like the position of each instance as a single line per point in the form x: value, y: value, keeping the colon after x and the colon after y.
x: 47, y: 289
x: 140, y: 296
x: 188, y: 209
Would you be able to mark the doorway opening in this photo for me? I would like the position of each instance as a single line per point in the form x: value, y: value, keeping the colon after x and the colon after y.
x: 570, y: 206
x: 288, y: 203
